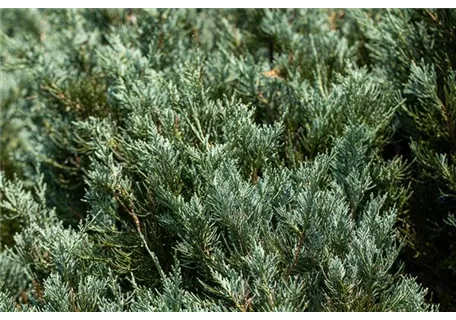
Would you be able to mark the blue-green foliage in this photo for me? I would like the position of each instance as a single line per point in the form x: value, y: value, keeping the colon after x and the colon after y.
x: 214, y: 160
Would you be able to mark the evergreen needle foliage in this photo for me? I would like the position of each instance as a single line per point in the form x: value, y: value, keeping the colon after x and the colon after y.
x: 228, y: 160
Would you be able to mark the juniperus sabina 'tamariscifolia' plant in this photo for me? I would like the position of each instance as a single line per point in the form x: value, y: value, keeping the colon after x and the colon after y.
x: 227, y: 160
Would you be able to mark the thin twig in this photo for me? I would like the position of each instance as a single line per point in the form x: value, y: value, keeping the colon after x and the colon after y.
x: 434, y: 18
x: 143, y: 239
x: 296, y: 255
